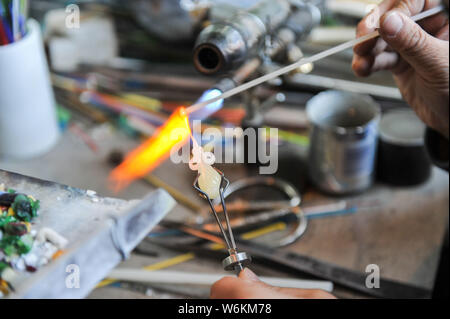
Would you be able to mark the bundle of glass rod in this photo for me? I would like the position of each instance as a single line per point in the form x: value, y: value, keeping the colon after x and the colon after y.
x: 13, y: 17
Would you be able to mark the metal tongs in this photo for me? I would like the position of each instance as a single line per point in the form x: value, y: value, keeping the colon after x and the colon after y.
x: 237, y: 261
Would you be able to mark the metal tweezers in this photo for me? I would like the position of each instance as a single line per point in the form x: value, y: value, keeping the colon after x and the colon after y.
x: 235, y: 261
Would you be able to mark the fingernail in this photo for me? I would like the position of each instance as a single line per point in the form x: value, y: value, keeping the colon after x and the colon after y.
x: 354, y: 60
x: 247, y: 274
x: 392, y: 24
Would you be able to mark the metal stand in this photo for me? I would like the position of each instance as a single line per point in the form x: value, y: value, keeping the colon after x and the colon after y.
x: 236, y: 261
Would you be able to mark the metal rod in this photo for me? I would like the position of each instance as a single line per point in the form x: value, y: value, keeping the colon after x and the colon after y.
x: 220, y: 225
x: 236, y: 261
x: 311, y: 59
x: 227, y: 220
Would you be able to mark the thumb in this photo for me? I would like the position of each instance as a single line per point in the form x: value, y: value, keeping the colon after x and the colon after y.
x: 406, y: 37
x: 249, y: 275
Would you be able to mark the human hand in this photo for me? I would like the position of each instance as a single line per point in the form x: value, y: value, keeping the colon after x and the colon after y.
x: 248, y: 286
x: 416, y: 54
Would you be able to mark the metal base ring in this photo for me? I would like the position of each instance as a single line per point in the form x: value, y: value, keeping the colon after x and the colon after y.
x: 231, y: 262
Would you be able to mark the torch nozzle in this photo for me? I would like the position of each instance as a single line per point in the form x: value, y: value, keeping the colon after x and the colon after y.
x: 208, y: 59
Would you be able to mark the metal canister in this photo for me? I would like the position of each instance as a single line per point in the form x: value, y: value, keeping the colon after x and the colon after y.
x: 402, y: 158
x: 236, y: 36
x: 343, y: 141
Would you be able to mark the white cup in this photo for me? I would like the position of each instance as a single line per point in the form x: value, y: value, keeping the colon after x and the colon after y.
x: 28, y: 120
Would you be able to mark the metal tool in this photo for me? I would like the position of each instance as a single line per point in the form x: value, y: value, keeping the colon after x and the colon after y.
x: 259, y: 36
x: 226, y: 44
x: 237, y: 260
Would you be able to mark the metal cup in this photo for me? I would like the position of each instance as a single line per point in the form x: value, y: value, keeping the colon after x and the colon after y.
x: 402, y: 157
x: 343, y: 141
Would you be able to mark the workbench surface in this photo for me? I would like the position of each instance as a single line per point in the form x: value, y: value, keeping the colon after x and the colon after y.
x: 402, y: 234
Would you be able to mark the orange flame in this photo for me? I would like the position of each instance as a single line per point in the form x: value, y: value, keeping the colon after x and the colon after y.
x: 155, y: 150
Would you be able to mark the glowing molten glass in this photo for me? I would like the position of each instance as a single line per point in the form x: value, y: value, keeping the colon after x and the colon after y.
x: 155, y: 150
